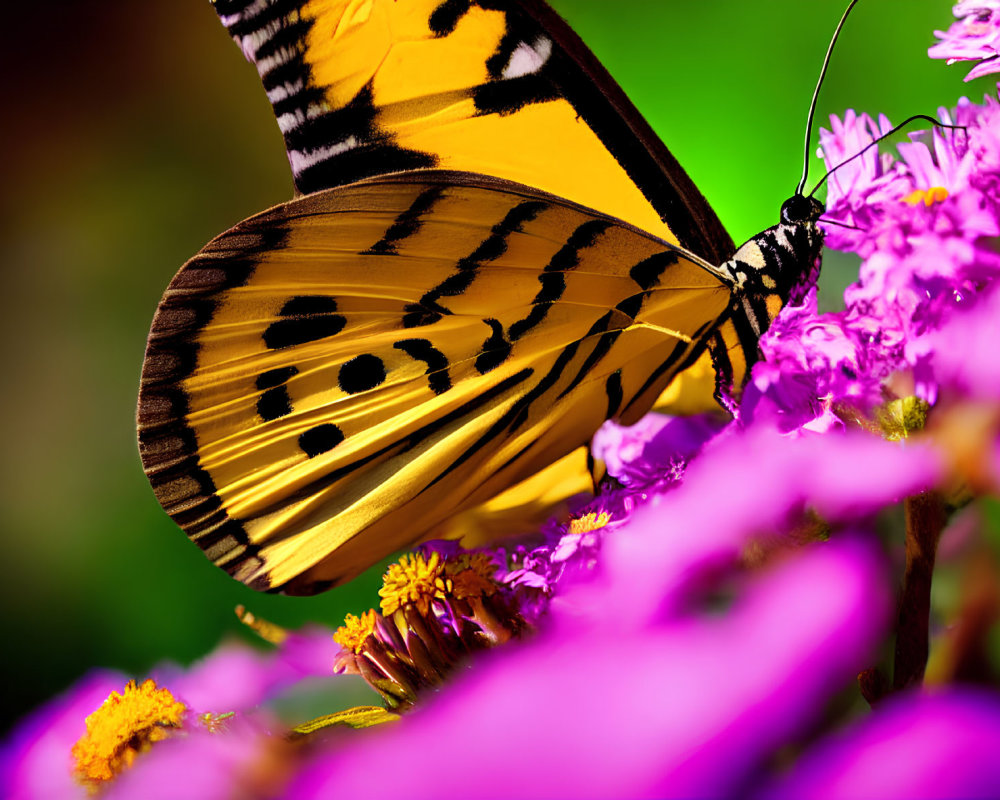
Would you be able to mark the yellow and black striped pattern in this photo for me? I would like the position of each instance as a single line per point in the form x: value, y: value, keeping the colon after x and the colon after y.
x: 491, y: 255
x: 362, y: 88
x: 331, y: 379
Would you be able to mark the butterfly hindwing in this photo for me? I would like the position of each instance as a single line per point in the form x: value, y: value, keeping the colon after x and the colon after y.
x: 493, y: 87
x: 329, y: 380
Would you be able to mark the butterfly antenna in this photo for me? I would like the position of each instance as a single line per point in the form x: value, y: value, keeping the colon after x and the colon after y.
x: 839, y: 224
x: 936, y: 122
x: 815, y: 97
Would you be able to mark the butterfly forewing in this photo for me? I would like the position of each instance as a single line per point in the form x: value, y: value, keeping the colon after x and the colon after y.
x: 493, y: 87
x: 328, y: 381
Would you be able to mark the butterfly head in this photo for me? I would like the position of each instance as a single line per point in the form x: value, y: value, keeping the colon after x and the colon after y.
x: 799, y: 215
x: 780, y: 264
x: 801, y: 210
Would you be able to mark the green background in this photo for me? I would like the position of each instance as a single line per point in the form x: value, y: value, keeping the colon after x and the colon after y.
x: 136, y: 132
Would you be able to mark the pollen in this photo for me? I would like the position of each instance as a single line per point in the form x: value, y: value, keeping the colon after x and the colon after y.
x: 472, y: 575
x: 936, y: 194
x: 125, y: 725
x: 589, y: 522
x: 413, y: 581
x: 352, y: 634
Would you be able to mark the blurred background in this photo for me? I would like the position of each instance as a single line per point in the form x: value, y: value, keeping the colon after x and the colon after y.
x: 137, y: 132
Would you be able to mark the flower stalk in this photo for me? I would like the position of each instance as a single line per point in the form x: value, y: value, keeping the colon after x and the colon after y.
x: 925, y: 519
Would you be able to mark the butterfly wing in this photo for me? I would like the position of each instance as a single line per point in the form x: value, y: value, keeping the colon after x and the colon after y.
x: 494, y: 87
x: 330, y: 379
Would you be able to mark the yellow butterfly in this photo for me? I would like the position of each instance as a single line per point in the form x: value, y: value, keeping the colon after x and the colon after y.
x: 491, y: 254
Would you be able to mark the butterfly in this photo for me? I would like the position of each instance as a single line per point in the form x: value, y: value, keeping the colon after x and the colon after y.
x: 489, y: 254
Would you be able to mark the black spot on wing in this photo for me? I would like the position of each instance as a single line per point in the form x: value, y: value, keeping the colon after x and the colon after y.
x: 445, y: 17
x: 437, y: 363
x: 320, y: 439
x: 412, y: 440
x: 417, y: 316
x: 305, y: 318
x: 553, y: 286
x: 452, y: 286
x: 585, y: 235
x: 275, y: 377
x: 361, y: 374
x: 291, y: 332
x: 274, y: 402
x: 496, y: 244
x: 308, y: 304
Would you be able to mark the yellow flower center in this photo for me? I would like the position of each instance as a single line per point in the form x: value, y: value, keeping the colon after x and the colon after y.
x: 352, y: 634
x: 589, y: 522
x: 124, y: 726
x: 472, y: 575
x: 414, y: 580
x: 901, y: 417
x: 936, y: 194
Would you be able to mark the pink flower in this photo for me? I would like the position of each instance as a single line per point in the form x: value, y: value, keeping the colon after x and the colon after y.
x: 975, y: 37
x: 938, y: 746
x: 36, y: 760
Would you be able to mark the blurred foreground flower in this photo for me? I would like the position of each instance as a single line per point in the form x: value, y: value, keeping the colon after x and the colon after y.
x: 932, y: 746
x: 37, y: 760
x: 672, y: 671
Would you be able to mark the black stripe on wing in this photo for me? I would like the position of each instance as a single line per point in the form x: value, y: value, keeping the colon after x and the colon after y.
x: 538, y: 59
x: 167, y: 445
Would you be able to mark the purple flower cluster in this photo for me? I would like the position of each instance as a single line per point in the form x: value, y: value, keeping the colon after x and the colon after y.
x: 923, y: 225
x: 701, y: 627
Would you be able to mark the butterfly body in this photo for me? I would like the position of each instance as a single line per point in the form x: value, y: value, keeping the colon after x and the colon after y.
x: 332, y: 379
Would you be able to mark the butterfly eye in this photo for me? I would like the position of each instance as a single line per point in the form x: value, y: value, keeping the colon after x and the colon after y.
x: 798, y: 209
